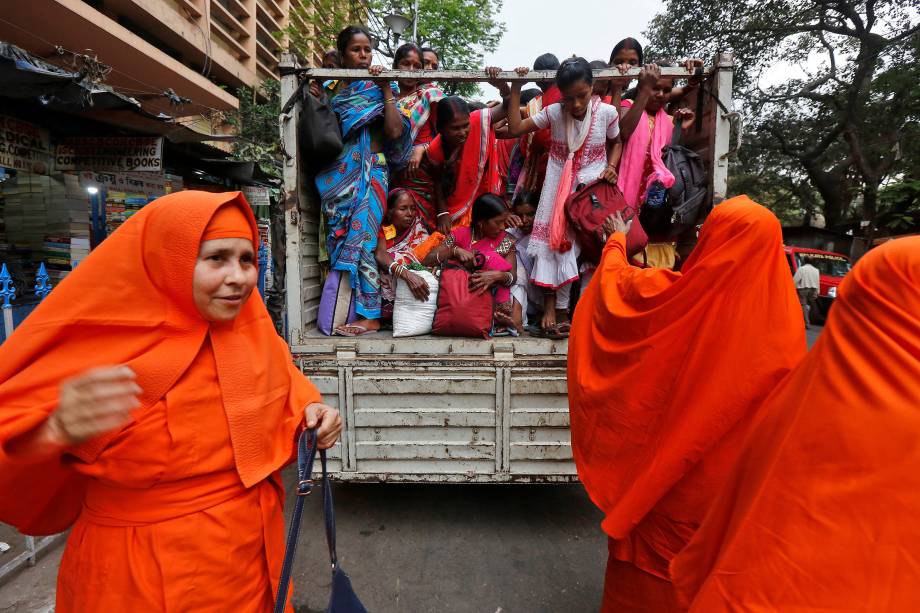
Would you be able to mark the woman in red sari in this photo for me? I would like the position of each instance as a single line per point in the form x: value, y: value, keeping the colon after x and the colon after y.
x: 465, y: 160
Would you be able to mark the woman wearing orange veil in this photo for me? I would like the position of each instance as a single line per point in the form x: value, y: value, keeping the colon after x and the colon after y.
x: 149, y: 404
x: 820, y: 512
x: 665, y: 371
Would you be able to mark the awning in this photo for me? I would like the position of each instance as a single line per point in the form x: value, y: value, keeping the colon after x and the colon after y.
x: 27, y: 77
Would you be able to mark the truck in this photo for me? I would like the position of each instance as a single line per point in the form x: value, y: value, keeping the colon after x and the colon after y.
x: 448, y: 410
x: 832, y: 268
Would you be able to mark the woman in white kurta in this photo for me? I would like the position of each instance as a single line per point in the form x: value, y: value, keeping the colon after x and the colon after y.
x: 585, y: 146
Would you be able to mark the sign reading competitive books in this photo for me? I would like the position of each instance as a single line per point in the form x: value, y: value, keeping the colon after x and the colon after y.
x: 110, y: 153
x: 24, y: 146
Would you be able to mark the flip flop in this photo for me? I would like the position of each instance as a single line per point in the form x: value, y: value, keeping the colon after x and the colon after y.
x: 564, y: 328
x: 550, y: 333
x: 345, y: 330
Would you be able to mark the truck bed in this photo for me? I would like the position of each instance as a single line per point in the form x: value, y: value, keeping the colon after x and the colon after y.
x: 438, y: 409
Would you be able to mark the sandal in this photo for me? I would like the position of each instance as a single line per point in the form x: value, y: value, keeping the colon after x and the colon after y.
x: 352, y: 330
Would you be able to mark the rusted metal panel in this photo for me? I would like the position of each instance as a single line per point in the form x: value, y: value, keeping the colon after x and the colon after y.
x: 413, y: 450
x: 423, y: 417
x: 544, y: 471
x: 536, y: 418
x: 405, y: 383
x: 426, y: 471
x: 539, y: 441
x: 542, y: 450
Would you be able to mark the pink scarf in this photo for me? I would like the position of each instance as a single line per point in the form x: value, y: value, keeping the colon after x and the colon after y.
x: 641, y: 144
x: 575, y: 137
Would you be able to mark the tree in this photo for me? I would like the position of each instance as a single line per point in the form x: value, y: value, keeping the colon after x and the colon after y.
x: 841, y: 128
x: 462, y: 31
x: 256, y: 124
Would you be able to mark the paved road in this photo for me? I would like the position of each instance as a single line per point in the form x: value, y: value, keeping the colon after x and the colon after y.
x: 463, y: 548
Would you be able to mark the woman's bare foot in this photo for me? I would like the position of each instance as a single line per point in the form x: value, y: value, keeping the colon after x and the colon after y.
x: 359, y: 327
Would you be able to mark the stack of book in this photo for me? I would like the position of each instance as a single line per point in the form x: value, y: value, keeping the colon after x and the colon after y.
x: 25, y: 210
x: 120, y: 206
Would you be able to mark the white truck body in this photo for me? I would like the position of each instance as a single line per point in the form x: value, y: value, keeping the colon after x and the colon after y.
x: 436, y: 409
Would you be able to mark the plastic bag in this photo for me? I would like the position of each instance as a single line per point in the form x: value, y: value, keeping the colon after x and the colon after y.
x: 411, y: 316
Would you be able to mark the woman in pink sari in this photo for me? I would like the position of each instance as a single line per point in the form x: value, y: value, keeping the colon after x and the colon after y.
x: 486, y: 236
x: 646, y: 128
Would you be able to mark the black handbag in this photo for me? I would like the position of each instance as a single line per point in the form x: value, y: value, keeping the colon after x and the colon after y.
x: 343, y: 598
x: 319, y: 134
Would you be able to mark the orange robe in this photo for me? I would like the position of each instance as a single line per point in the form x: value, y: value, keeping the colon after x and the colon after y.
x: 181, y: 509
x: 821, y: 510
x: 665, y: 372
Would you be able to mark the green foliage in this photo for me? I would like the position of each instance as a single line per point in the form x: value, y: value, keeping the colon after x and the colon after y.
x: 826, y: 141
x: 257, y: 125
x: 462, y: 31
x: 899, y: 205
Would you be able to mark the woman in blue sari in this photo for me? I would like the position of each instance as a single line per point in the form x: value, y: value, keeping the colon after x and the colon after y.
x: 353, y: 189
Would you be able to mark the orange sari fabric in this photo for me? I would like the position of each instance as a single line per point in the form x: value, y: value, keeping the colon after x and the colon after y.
x: 666, y: 370
x: 820, y: 512
x: 181, y: 509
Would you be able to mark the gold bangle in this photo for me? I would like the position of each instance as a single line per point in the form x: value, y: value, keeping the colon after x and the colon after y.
x: 389, y: 100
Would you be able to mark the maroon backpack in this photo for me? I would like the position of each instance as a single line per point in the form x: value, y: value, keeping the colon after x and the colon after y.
x: 588, y: 207
x: 460, y: 311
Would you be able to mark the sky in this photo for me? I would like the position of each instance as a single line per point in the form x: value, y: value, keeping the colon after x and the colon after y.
x: 589, y: 28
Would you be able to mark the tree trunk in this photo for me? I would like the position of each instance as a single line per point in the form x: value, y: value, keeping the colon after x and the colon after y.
x: 870, y: 209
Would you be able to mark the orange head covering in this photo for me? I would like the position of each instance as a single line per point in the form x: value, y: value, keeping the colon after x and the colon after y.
x: 820, y: 511
x: 130, y: 302
x: 665, y: 369
x: 228, y: 222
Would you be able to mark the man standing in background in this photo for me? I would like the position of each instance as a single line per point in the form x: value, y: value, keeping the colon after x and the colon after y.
x: 807, y: 281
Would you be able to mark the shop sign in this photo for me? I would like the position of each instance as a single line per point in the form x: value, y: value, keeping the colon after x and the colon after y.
x: 134, y: 182
x: 256, y: 195
x: 24, y: 146
x: 110, y: 153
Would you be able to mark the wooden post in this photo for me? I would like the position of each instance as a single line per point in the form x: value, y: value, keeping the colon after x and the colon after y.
x: 292, y: 237
x: 724, y: 65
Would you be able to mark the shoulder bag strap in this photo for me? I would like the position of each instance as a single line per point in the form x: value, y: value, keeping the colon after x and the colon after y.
x: 306, y: 454
x: 675, y: 133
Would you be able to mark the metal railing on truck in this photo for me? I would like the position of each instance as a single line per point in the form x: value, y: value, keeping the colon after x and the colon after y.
x: 710, y: 138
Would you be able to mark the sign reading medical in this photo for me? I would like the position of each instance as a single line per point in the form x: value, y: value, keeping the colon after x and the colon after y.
x: 110, y: 154
x: 24, y: 146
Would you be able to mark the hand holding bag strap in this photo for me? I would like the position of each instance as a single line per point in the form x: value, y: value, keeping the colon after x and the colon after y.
x: 306, y: 454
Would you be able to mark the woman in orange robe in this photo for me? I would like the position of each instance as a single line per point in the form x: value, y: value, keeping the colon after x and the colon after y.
x: 665, y: 371
x: 821, y: 510
x: 149, y: 404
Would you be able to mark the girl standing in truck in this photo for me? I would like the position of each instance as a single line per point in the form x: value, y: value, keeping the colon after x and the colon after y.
x: 585, y: 146
x: 354, y: 187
